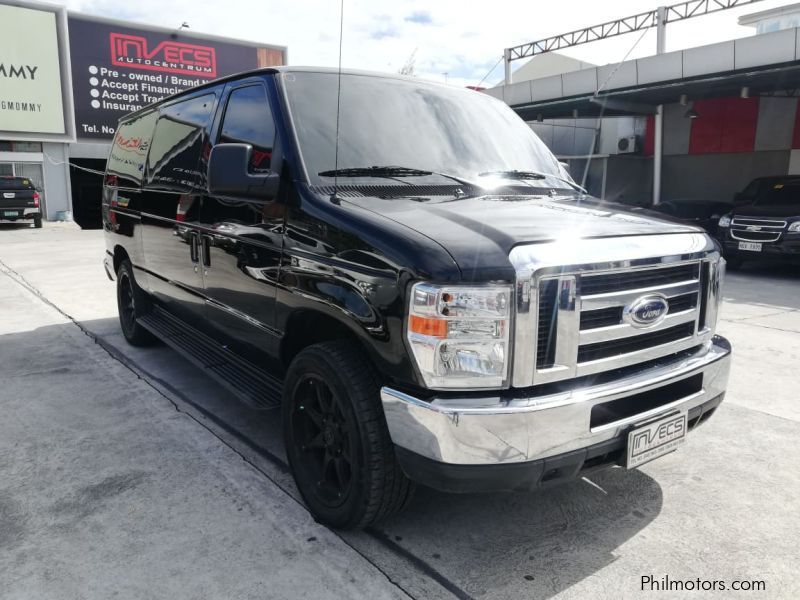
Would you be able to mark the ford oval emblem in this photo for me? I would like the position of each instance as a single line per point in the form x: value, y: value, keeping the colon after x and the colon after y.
x: 646, y: 311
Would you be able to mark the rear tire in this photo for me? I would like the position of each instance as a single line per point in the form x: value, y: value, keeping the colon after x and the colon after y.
x: 132, y: 303
x: 337, y: 441
x: 37, y: 221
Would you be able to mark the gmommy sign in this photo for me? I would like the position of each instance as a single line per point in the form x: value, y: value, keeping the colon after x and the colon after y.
x: 30, y: 76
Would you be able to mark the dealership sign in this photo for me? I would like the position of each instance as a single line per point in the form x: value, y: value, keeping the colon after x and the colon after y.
x: 118, y: 69
x: 31, y: 99
x: 167, y: 57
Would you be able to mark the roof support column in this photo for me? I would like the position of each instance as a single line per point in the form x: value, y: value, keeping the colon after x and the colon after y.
x: 658, y: 123
x: 507, y: 64
x: 661, y: 30
x: 658, y: 148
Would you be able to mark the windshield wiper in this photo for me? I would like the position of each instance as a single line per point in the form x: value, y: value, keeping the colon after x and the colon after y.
x: 390, y: 172
x: 375, y: 171
x: 523, y: 175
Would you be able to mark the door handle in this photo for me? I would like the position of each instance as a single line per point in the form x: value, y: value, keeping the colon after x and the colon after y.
x: 194, y: 248
x: 205, y: 241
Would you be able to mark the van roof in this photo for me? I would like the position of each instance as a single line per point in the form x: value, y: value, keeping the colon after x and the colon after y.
x: 272, y: 70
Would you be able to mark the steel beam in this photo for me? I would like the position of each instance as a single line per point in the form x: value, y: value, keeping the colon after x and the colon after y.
x: 645, y: 20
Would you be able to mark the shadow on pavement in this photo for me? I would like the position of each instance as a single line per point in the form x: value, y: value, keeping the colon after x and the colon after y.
x: 12, y: 226
x: 528, y: 544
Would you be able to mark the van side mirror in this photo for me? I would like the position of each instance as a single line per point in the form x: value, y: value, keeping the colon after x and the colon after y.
x: 229, y: 174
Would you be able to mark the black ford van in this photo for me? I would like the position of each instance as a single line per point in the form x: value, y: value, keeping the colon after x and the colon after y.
x: 414, y: 280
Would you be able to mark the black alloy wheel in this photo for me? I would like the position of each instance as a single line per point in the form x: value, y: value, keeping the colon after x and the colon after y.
x: 132, y: 303
x: 327, y: 438
x: 337, y: 441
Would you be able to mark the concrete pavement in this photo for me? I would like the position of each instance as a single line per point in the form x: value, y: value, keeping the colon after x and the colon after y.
x: 105, y: 433
x: 108, y: 489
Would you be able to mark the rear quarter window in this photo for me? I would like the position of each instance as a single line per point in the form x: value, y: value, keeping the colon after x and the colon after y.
x: 129, y: 151
x: 179, y: 141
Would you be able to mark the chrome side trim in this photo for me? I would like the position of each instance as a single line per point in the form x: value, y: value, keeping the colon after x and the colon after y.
x: 492, y: 429
x: 126, y: 213
x: 240, y: 315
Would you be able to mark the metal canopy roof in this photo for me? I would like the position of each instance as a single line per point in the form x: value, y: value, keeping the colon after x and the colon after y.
x: 784, y: 80
x: 766, y: 64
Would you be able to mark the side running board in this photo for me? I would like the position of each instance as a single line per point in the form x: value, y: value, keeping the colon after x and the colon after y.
x: 251, y: 384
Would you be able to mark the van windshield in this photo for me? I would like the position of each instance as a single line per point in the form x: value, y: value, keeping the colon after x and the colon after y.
x: 15, y: 183
x: 414, y: 125
x: 780, y: 193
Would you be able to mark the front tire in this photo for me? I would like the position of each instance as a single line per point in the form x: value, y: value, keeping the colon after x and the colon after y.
x: 132, y: 303
x: 337, y: 440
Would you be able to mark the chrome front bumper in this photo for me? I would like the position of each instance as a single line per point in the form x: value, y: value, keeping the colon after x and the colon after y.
x: 500, y: 430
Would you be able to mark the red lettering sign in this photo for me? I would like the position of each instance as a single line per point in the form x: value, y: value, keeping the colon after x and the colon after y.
x: 168, y: 57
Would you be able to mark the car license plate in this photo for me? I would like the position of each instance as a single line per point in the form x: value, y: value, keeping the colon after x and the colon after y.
x: 751, y: 246
x: 656, y: 439
x: 9, y: 195
x: 9, y: 213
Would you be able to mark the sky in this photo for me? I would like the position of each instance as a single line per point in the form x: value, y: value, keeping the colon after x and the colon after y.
x: 453, y: 41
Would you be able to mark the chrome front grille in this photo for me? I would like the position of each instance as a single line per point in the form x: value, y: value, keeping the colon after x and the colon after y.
x: 604, y: 339
x: 574, y: 320
x: 757, y: 229
x: 592, y: 285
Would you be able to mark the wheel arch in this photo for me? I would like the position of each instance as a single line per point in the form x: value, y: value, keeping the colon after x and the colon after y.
x: 120, y: 254
x: 307, y: 327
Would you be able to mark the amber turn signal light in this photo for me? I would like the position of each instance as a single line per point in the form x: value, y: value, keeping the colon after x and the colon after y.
x: 428, y: 326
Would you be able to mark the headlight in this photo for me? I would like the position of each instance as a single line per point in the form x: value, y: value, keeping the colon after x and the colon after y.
x: 459, y: 334
x: 794, y: 227
x: 725, y: 221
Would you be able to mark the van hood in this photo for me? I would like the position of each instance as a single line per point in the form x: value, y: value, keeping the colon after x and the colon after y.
x: 479, y: 232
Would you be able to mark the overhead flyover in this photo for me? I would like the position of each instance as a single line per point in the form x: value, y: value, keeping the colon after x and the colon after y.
x: 767, y: 64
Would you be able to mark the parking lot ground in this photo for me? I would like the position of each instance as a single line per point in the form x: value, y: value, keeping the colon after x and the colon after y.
x: 106, y: 490
x: 127, y: 471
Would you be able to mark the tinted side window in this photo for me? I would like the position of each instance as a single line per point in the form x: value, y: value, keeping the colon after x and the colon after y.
x: 180, y: 139
x: 248, y: 120
x: 129, y: 151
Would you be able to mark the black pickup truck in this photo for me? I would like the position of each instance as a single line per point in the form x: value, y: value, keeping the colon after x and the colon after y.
x: 764, y: 223
x: 406, y: 271
x: 19, y: 201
